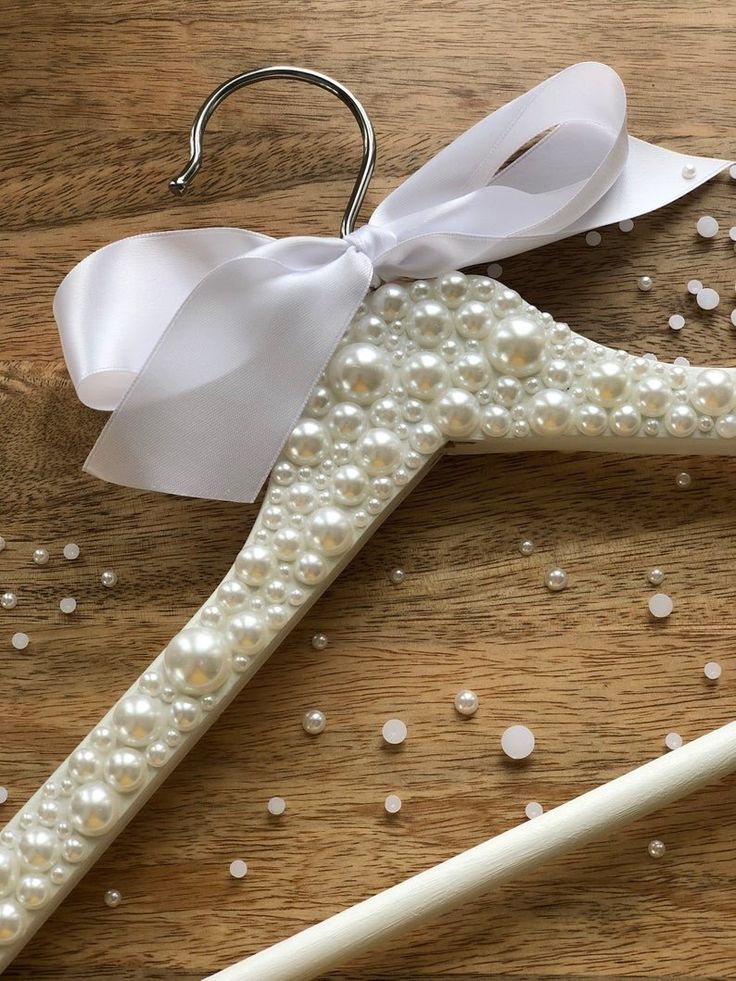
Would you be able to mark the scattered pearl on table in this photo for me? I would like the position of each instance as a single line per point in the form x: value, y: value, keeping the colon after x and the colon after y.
x: 397, y: 576
x: 673, y: 740
x: 40, y: 556
x: 676, y: 321
x: 732, y: 171
x: 314, y: 722
x: 526, y: 546
x: 466, y: 702
x: 517, y: 742
x: 661, y: 605
x: 3, y: 794
x: 555, y: 579
x: 593, y: 238
x: 732, y: 233
x: 733, y: 317
x: 319, y: 642
x: 238, y: 869
x: 71, y: 551
x: 655, y: 576
x: 656, y: 848
x: 683, y: 480
x: 20, y: 641
x: 495, y: 270
x: 68, y: 604
x: 712, y: 670
x: 109, y: 578
x: 645, y: 283
x: 626, y: 225
x: 689, y: 170
x: 394, y: 732
x: 707, y: 299
x: 8, y: 600
x: 533, y: 809
x: 276, y: 806
x: 694, y: 286
x: 392, y: 804
x: 113, y: 898
x: 707, y: 226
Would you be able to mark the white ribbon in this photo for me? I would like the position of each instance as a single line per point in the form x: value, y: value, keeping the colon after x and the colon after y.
x: 206, y: 343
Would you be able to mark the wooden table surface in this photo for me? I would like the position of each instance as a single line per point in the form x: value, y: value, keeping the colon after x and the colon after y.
x: 97, y: 101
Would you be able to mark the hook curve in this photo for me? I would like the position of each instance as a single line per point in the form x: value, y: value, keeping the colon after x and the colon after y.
x: 180, y: 183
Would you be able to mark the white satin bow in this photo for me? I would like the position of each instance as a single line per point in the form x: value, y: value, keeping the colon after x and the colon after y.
x: 206, y: 343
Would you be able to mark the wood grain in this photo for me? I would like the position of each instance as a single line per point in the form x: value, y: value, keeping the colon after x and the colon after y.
x: 97, y: 101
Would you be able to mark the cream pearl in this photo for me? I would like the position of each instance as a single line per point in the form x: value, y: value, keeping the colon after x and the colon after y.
x: 11, y: 921
x: 558, y: 373
x: 136, y: 717
x: 625, y: 421
x: 426, y: 438
x: 350, y: 485
x: 245, y: 633
x: 508, y: 390
x: 713, y: 391
x: 125, y: 770
x: 457, y: 413
x: 360, y: 373
x: 308, y: 443
x: 425, y: 375
x: 473, y: 320
x: 286, y: 544
x: 73, y: 850
x: 452, y: 287
x: 198, y: 660
x: 608, y: 382
x: 8, y: 872
x: 379, y: 450
x: 185, y: 713
x: 347, y: 421
x: 430, y: 323
x: 93, y: 809
x: 551, y: 412
x: 37, y: 847
x: 390, y: 302
x: 726, y: 426
x: 331, y: 531
x: 495, y: 420
x: 681, y: 420
x: 471, y: 372
x: 84, y: 764
x: 33, y: 891
x: 516, y: 346
x: 254, y: 564
x: 591, y: 420
x: 302, y: 498
x: 310, y: 569
x: 654, y: 395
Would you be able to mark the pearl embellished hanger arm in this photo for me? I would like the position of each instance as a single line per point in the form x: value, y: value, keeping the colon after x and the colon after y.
x: 457, y: 360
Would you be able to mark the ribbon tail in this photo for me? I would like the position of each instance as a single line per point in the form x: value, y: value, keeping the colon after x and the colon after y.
x: 218, y: 396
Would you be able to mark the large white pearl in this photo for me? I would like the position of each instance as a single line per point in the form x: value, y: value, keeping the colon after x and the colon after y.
x: 308, y: 443
x: 347, y: 421
x: 473, y: 320
x: 471, y: 372
x: 713, y: 391
x: 37, y: 847
x: 33, y: 891
x: 92, y: 809
x: 625, y: 420
x: 84, y: 764
x: 10, y: 921
x: 726, y: 426
x: 302, y: 497
x: 424, y: 375
x: 198, y: 660
x: 310, y: 569
x: 654, y: 395
x: 608, y: 383
x: 551, y: 412
x: 426, y: 438
x: 245, y: 633
x: 379, y: 450
x: 331, y: 531
x: 286, y: 543
x: 495, y: 421
x: 254, y: 564
x: 185, y: 713
x: 390, y: 302
x: 8, y: 872
x: 516, y: 346
x: 591, y: 420
x: 125, y: 770
x: 361, y: 373
x: 350, y: 485
x: 681, y: 420
x: 136, y: 717
x: 457, y: 413
x: 430, y: 323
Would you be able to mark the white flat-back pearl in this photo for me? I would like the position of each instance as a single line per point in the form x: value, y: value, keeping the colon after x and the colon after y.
x: 379, y: 450
x: 654, y: 395
x: 681, y: 420
x: 625, y: 420
x: 350, y: 485
x: 591, y: 420
x: 246, y: 634
x: 38, y: 848
x: 516, y: 346
x: 8, y: 872
x: 457, y: 413
x: 308, y: 443
x: 125, y: 770
x: 331, y: 531
x: 254, y: 564
x: 185, y: 713
x: 713, y: 391
x: 360, y: 373
x: 347, y: 421
x: 425, y: 375
x: 136, y: 717
x: 198, y: 661
x: 495, y: 420
x: 11, y: 921
x: 551, y: 412
x: 92, y: 809
x: 608, y: 383
x: 84, y: 764
x: 430, y: 323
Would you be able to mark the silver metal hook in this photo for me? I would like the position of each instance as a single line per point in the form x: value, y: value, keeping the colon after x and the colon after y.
x: 179, y: 184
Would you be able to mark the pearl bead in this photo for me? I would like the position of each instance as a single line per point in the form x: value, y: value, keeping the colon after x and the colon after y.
x: 394, y: 732
x: 676, y: 321
x: 608, y: 383
x: 551, y: 413
x: 73, y: 850
x: 654, y: 395
x: 593, y: 238
x: 644, y: 283
x: 673, y: 740
x: 689, y: 171
x: 558, y: 373
x: 92, y: 809
x: 533, y: 810
x: 276, y: 806
x: 57, y: 875
x: 506, y: 301
x: 238, y: 869
x: 392, y: 804
x: 526, y: 546
x: 471, y: 372
x: 426, y: 438
x: 694, y: 286
x: 712, y: 671
x: 655, y: 576
x: 466, y: 702
x: 347, y: 421
x: 103, y: 738
x: 232, y: 595
x: 397, y: 576
x: 457, y: 413
x: 516, y: 346
x: 20, y: 640
x: 254, y: 564
x: 626, y: 225
x: 84, y: 764
x: 311, y: 569
x: 495, y: 421
x: 109, y: 578
x: 314, y: 722
x: 430, y: 323
x: 40, y: 556
x: 379, y: 450
x: 11, y: 921
x: 425, y: 375
x: 707, y: 226
x: 33, y: 891
x: 308, y: 443
x: 8, y: 600
x: 37, y: 848
x: 8, y: 872
x: 625, y: 420
x: 68, y: 604
x: 661, y: 605
x: 707, y: 299
x: 726, y: 426
x: 680, y: 420
x: 473, y: 320
x: 360, y: 373
x: 136, y: 717
x: 330, y: 530
x: 245, y: 634
x: 555, y: 580
x: 158, y: 753
x: 185, y: 713
x: 48, y: 813
x: 713, y: 391
x: 517, y: 742
x: 683, y: 480
x: 591, y: 420
x: 151, y: 683
x: 113, y: 898
x: 656, y: 848
x: 197, y: 660
x: 125, y: 770
x: 452, y: 287
x: 71, y: 551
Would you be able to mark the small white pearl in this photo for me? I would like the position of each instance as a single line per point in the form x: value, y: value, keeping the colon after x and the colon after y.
x: 68, y: 604
x: 707, y: 299
x: 661, y: 605
x: 732, y: 233
x: 707, y: 226
x: 712, y: 670
x: 113, y: 898
x: 656, y: 848
x: 3, y: 794
x: 20, y: 641
x: 392, y: 804
x: 8, y: 600
x: 733, y: 317
x: 593, y: 238
x: 555, y: 580
x: 319, y: 642
x: 397, y: 576
x: 526, y: 546
x: 533, y: 809
x: 466, y: 702
x: 40, y: 556
x: 645, y: 283
x: 626, y: 225
x: 673, y: 740
x: 276, y: 806
x: 694, y: 286
x: 683, y: 480
x: 517, y: 742
x: 394, y: 732
x: 109, y: 578
x: 238, y: 869
x: 655, y: 576
x: 71, y: 551
x: 314, y: 722
x: 732, y: 171
x: 689, y: 170
x: 676, y: 321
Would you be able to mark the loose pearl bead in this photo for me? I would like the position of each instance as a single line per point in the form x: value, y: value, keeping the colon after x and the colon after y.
x: 276, y: 806
x: 555, y: 580
x: 198, y: 660
x: 238, y: 869
x: 526, y: 546
x: 397, y: 576
x: 533, y: 810
x: 712, y: 671
x: 656, y: 848
x: 71, y: 551
x: 466, y: 702
x: 707, y: 226
x: 683, y: 480
x: 113, y: 898
x: 8, y: 600
x: 644, y: 283
x: 673, y: 740
x: 708, y: 299
x: 109, y: 578
x: 68, y: 604
x: 655, y: 577
x: 516, y: 346
x: 40, y: 556
x: 314, y: 722
x: 392, y: 804
x: 661, y: 605
x: 689, y: 171
x: 593, y: 238
x: 517, y: 742
x: 676, y: 321
x: 626, y: 225
x: 92, y: 809
x: 394, y: 732
x: 20, y: 640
